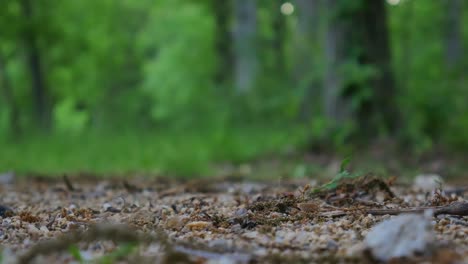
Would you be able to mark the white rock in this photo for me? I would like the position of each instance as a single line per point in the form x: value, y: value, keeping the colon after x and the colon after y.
x: 427, y: 182
x: 400, y: 236
x: 87, y: 255
x: 32, y: 229
x: 252, y: 234
x: 261, y: 251
x: 222, y: 260
x: 8, y: 256
x: 7, y: 178
x: 303, y: 237
x: 44, y: 229
x: 106, y: 206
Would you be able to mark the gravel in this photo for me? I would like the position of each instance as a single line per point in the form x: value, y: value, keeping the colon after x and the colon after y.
x: 213, y: 221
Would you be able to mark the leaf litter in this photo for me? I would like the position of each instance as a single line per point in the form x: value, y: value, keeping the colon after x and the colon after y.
x: 161, y: 220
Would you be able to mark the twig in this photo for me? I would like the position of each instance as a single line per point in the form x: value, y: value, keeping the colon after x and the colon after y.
x: 130, y: 187
x: 455, y: 208
x: 116, y: 233
x: 119, y: 233
x: 68, y: 183
x: 458, y: 221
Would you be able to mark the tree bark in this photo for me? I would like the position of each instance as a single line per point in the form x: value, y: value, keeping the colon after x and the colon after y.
x: 453, y: 39
x: 222, y: 11
x: 378, y: 54
x: 34, y: 61
x: 307, y: 46
x: 246, y: 61
x: 279, y: 36
x: 405, y: 60
x: 336, y: 108
x: 360, y: 35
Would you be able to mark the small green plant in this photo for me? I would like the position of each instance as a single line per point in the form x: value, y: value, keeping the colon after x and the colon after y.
x: 75, y: 252
x: 123, y: 251
x: 344, y: 163
x: 342, y: 174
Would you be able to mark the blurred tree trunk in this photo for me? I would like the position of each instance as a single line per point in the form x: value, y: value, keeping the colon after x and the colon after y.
x: 279, y: 37
x: 336, y: 108
x: 245, y: 35
x: 453, y: 30
x: 360, y: 35
x: 307, y: 47
x: 405, y: 60
x: 8, y: 98
x: 377, y: 45
x: 222, y: 11
x: 34, y: 61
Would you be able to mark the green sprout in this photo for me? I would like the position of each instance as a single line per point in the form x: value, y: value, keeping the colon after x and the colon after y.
x: 75, y: 252
x: 123, y: 251
x: 342, y: 174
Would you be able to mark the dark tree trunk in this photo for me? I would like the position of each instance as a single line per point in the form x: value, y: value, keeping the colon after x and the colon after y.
x: 360, y: 35
x: 453, y: 40
x: 306, y: 48
x: 34, y: 62
x: 378, y: 54
x: 336, y: 108
x: 405, y: 60
x: 245, y: 38
x: 279, y: 29
x: 222, y: 11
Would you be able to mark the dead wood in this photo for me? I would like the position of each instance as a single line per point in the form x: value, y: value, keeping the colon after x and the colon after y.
x: 115, y: 233
x: 455, y: 208
x: 68, y: 183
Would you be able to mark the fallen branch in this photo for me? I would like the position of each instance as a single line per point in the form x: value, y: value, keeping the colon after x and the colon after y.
x: 68, y: 183
x: 130, y: 187
x: 115, y: 233
x: 455, y: 208
x: 122, y: 233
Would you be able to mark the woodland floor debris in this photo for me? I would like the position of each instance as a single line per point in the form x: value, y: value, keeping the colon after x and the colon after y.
x: 216, y: 220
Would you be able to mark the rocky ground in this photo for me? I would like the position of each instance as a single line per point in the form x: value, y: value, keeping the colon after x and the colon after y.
x: 158, y: 220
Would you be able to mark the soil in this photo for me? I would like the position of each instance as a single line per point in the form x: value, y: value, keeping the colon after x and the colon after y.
x: 216, y: 220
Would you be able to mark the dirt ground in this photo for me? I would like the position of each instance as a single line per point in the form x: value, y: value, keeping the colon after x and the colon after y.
x: 161, y: 220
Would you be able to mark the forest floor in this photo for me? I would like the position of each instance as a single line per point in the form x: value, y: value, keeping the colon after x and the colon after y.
x: 84, y: 219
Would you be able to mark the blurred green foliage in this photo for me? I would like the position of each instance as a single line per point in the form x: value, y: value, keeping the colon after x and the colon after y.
x: 130, y: 86
x: 172, y: 152
x: 431, y: 94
